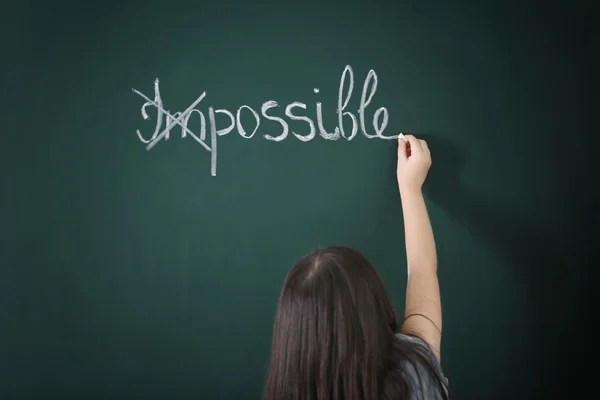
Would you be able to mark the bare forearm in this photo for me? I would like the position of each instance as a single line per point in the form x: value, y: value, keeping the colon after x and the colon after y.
x: 420, y: 244
x: 423, y: 313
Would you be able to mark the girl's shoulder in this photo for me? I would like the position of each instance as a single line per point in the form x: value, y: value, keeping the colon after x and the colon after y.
x: 419, y: 376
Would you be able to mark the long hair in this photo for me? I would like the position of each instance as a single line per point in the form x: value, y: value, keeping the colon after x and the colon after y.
x: 334, y: 335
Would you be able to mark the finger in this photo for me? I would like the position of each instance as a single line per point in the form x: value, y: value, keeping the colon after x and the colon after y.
x: 426, y: 150
x: 402, y: 149
x: 415, y: 146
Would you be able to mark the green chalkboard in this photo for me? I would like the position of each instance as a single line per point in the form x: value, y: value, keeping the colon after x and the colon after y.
x: 149, y: 265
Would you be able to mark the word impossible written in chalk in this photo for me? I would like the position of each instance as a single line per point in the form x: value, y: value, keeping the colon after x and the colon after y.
x: 182, y: 118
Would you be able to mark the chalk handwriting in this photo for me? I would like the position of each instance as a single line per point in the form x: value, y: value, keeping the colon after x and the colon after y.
x: 267, y: 111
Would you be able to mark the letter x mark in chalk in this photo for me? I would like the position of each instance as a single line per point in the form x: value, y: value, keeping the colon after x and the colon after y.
x: 174, y: 120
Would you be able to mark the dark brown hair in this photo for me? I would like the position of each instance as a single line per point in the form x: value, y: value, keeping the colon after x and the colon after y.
x: 334, y: 335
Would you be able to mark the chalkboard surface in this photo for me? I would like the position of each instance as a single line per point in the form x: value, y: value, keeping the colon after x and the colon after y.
x: 148, y: 265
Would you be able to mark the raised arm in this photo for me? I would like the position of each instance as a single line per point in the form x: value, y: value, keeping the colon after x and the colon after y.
x: 423, y: 314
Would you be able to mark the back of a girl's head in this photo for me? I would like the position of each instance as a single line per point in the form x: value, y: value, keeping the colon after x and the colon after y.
x: 333, y: 331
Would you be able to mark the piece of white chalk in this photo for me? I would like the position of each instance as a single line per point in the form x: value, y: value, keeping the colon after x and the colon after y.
x: 401, y: 136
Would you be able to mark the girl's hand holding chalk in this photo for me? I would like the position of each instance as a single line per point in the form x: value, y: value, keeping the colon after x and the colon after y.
x: 414, y: 160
